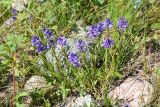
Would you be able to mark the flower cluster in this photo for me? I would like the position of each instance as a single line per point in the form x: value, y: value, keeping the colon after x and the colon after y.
x: 73, y: 59
x: 37, y: 42
x: 108, y: 23
x: 95, y: 30
x: 48, y: 33
x: 14, y: 17
x: 122, y: 24
x: 81, y: 45
x: 107, y: 43
x: 61, y: 41
x: 49, y: 36
x: 14, y: 13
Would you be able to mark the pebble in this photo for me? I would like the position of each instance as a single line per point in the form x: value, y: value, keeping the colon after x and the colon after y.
x: 137, y: 91
x: 35, y: 82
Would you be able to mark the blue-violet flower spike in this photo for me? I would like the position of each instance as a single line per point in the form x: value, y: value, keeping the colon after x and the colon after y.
x: 122, y: 24
x: 107, y: 43
x: 40, y: 48
x: 73, y: 59
x: 14, y: 17
x: 101, y: 26
x: 81, y: 45
x: 48, y: 33
x: 93, y: 31
x: 108, y: 23
x: 61, y: 40
x: 35, y: 40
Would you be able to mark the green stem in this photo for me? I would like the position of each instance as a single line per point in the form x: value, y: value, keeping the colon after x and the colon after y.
x: 106, y: 58
x: 111, y: 70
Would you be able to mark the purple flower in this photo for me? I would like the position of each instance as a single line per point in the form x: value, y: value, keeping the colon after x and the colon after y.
x: 35, y: 40
x: 47, y: 46
x: 14, y: 17
x: 40, y: 48
x: 48, y: 33
x: 122, y: 24
x: 14, y: 11
x: 81, y: 45
x: 94, y: 31
x: 50, y: 37
x: 108, y: 23
x: 101, y: 26
x: 73, y: 59
x: 61, y: 41
x: 107, y: 43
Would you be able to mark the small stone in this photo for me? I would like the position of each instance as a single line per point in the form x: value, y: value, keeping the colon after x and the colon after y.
x: 88, y: 100
x: 80, y: 102
x: 19, y: 5
x: 137, y: 91
x: 35, y: 82
x: 85, y: 101
x: 9, y: 22
x: 70, y: 102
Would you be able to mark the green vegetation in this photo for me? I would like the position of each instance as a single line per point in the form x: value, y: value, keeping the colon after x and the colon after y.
x: 95, y: 76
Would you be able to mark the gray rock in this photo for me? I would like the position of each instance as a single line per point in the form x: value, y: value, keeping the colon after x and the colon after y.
x: 80, y: 102
x: 35, y: 82
x: 71, y: 47
x: 135, y: 90
x: 70, y: 102
x: 19, y: 5
x: 9, y: 22
x: 86, y: 101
